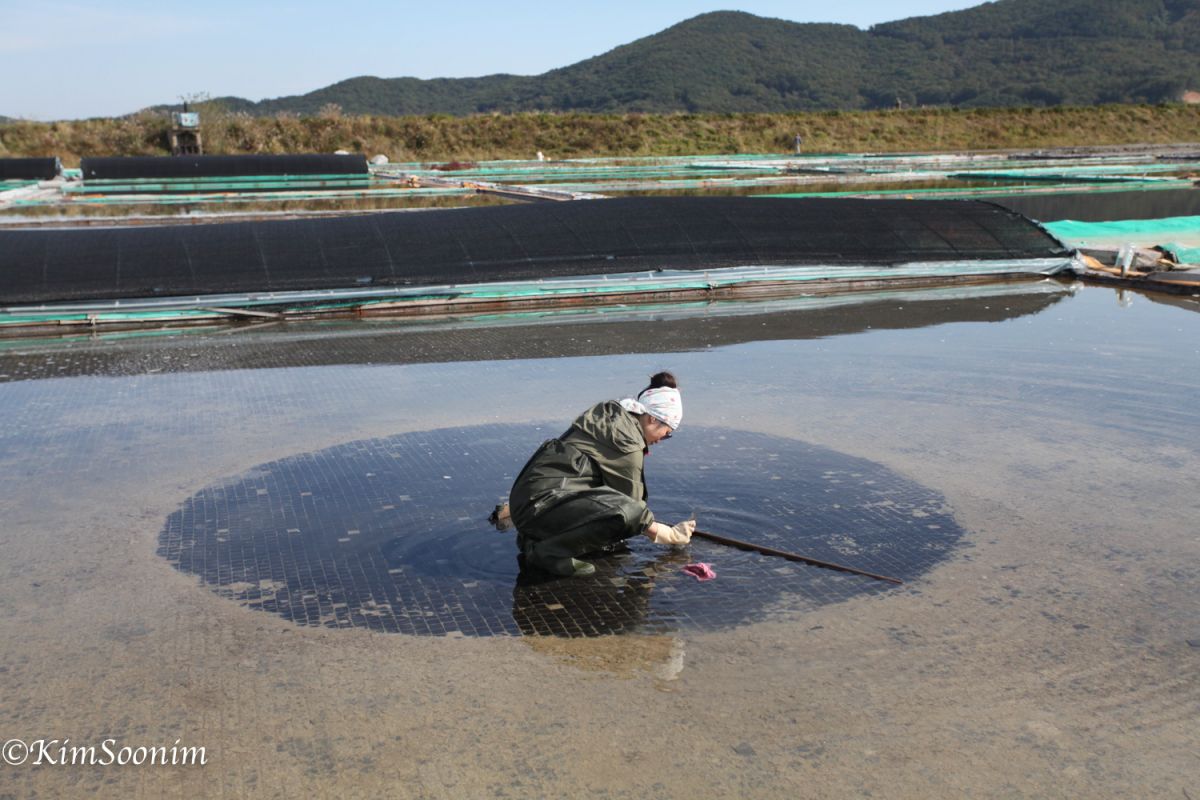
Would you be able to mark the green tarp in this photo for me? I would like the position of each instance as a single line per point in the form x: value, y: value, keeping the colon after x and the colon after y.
x: 1178, y: 235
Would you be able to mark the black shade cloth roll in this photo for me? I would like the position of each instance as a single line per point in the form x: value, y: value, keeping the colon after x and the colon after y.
x: 505, y: 243
x: 41, y: 169
x: 1105, y: 206
x: 115, y: 168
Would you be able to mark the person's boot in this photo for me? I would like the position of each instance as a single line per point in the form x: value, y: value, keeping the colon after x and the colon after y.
x: 572, y: 568
x: 501, y: 517
x: 557, y: 565
x: 555, y: 562
x: 557, y: 554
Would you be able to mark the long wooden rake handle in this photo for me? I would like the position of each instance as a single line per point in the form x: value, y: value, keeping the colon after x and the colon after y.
x: 771, y: 551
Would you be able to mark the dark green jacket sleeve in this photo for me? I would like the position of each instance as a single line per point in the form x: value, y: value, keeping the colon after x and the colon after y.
x: 625, y: 475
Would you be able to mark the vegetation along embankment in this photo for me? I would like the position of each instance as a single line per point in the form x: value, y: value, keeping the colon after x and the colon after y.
x: 576, y: 135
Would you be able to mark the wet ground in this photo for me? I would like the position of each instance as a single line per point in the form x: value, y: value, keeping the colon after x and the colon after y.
x: 1046, y: 642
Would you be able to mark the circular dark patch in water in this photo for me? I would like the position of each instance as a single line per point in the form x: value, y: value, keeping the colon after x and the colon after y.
x: 391, y: 534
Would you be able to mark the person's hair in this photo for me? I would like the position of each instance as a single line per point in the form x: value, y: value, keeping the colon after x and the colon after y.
x: 659, y: 380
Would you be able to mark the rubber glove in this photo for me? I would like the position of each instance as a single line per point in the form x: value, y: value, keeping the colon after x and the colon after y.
x: 680, y: 533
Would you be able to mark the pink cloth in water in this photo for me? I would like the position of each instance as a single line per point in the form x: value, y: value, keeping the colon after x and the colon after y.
x: 702, y: 571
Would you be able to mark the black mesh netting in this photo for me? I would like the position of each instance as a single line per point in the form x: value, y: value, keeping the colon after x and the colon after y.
x: 109, y: 168
x: 1106, y: 206
x: 42, y: 169
x: 504, y: 243
x: 389, y: 535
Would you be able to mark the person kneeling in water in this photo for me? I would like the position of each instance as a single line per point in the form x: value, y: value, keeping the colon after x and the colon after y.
x: 586, y: 490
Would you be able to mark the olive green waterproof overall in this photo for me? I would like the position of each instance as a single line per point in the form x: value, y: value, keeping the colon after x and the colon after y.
x: 583, y: 491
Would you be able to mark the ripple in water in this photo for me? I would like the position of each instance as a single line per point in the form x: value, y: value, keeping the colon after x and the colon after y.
x: 391, y: 535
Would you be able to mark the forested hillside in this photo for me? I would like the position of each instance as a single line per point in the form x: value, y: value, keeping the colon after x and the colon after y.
x: 1006, y: 53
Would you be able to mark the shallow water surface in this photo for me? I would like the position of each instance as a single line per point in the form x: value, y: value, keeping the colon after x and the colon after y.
x: 1043, y: 644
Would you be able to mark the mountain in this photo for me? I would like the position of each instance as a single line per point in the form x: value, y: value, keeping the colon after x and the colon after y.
x: 1005, y: 53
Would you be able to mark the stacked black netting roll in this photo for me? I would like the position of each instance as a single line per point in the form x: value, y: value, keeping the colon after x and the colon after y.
x: 41, y: 169
x: 505, y: 243
x: 116, y: 168
x: 1105, y: 206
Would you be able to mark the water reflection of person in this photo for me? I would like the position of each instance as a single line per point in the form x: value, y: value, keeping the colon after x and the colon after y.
x: 586, y: 490
x: 604, y: 623
x: 614, y: 600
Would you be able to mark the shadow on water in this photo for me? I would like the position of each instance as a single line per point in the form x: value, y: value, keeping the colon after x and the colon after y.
x: 1177, y: 301
x: 674, y: 327
x: 389, y: 535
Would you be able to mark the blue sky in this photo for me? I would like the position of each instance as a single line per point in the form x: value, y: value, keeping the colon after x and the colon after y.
x: 64, y: 59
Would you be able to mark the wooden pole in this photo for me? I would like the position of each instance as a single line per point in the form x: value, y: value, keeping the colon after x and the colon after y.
x: 771, y: 551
